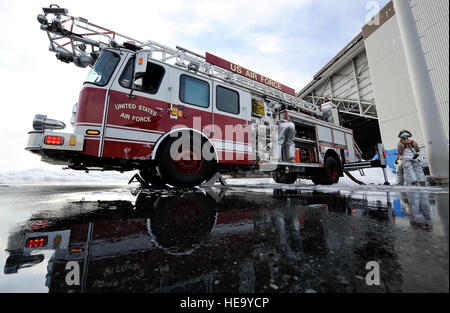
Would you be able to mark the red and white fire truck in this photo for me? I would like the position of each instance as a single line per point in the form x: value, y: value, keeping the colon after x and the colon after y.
x: 141, y: 97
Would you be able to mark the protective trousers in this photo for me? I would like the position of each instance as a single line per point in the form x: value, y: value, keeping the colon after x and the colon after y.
x: 400, y: 174
x: 412, y: 170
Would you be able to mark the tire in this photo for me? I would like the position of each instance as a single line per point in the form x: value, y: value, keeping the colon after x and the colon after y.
x: 317, y: 179
x: 150, y: 176
x: 277, y: 178
x: 187, y: 172
x: 285, y: 178
x: 330, y: 172
x: 328, y: 175
x: 179, y: 224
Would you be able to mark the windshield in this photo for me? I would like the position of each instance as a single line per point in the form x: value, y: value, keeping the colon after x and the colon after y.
x: 103, y: 68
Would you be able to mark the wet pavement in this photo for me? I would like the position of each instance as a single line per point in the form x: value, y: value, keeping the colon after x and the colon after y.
x: 221, y: 240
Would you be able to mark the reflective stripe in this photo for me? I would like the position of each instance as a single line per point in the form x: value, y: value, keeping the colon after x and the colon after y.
x: 131, y: 135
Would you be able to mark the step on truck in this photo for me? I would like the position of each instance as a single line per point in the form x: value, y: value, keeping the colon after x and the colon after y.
x: 181, y: 118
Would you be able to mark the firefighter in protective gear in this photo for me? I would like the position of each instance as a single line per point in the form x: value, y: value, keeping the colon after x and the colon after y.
x: 286, y: 135
x: 408, y: 151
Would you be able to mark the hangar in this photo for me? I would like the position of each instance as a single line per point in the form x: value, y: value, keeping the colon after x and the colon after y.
x: 368, y: 79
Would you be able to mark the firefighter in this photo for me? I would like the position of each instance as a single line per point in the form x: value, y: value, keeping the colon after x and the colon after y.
x: 286, y: 135
x: 408, y: 151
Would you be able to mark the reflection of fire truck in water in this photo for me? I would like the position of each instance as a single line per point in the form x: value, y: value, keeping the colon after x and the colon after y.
x: 110, y: 242
x: 140, y: 98
x: 178, y: 241
x: 162, y: 243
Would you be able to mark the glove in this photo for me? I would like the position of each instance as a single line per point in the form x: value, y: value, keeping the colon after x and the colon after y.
x: 415, y: 156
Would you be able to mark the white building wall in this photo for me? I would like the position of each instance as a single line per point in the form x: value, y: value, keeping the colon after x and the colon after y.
x: 393, y: 92
x: 433, y: 24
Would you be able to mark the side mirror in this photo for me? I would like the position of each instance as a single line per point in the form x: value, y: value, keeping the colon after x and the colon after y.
x: 140, y: 68
x: 138, y: 83
x: 140, y: 65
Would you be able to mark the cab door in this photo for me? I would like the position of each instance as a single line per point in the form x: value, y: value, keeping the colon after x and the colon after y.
x: 232, y: 124
x: 135, y: 118
x: 191, y: 102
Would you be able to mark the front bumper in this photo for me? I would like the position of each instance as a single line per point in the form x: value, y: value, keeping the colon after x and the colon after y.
x: 71, y: 142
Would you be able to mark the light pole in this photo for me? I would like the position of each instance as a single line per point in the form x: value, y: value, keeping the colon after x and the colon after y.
x: 425, y: 99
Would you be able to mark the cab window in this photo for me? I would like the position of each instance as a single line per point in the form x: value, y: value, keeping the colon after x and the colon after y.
x: 151, y: 80
x: 194, y: 91
x: 227, y: 100
x: 103, y: 69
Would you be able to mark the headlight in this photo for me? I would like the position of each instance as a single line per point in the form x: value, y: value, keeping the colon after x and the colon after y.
x: 41, y: 122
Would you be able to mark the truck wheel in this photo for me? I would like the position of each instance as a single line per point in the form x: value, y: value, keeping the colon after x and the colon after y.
x: 150, y: 176
x: 285, y: 178
x: 317, y: 179
x: 186, y: 169
x: 330, y: 173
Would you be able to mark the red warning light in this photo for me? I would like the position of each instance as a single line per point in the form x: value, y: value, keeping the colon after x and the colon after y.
x: 36, y: 242
x: 54, y: 140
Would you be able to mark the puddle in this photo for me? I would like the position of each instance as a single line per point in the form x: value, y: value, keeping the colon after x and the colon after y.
x: 221, y: 240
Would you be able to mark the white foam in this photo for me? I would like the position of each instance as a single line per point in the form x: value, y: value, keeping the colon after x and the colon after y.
x: 57, y: 175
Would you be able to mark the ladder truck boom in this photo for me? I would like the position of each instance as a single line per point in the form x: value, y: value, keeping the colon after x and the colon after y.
x: 140, y: 96
x: 69, y: 37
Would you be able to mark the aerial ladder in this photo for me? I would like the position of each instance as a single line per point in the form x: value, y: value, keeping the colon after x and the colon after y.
x: 75, y: 39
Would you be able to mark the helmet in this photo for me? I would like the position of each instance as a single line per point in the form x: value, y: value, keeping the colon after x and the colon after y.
x: 404, y: 134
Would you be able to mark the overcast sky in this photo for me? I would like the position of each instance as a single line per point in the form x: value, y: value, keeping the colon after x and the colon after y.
x: 288, y: 41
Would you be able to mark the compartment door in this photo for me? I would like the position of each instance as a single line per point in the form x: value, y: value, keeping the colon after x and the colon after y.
x: 350, y: 147
x: 232, y: 124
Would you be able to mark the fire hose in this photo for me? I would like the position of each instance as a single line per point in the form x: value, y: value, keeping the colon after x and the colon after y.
x: 353, y: 178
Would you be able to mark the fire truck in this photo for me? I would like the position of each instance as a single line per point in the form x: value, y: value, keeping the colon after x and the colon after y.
x: 141, y: 99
